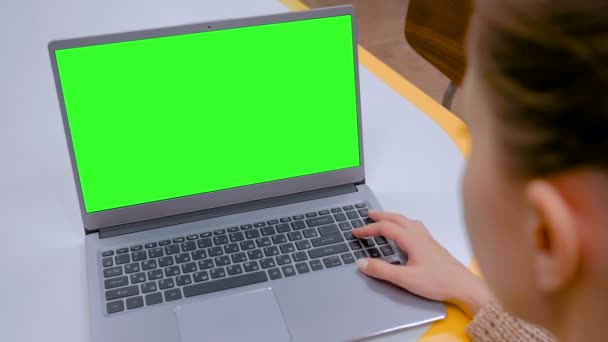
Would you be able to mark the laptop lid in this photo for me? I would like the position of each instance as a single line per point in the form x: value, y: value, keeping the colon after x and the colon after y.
x: 169, y: 121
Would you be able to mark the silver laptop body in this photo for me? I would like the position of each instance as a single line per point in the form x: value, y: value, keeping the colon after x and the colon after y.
x: 196, y: 295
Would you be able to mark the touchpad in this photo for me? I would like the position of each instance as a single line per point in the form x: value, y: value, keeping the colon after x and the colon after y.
x: 251, y: 316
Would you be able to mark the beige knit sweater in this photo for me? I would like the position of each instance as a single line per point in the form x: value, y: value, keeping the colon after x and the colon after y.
x: 492, y: 323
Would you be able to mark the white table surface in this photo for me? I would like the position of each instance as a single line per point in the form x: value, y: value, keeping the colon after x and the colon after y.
x: 411, y: 164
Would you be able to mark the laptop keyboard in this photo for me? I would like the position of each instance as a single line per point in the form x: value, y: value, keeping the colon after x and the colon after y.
x: 186, y: 266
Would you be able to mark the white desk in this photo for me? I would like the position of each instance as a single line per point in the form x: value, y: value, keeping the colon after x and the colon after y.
x: 411, y: 163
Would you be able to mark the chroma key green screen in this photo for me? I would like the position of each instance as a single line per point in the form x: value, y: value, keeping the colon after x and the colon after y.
x: 167, y: 117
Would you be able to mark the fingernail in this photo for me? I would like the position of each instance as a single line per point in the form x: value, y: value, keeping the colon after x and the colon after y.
x: 362, y: 263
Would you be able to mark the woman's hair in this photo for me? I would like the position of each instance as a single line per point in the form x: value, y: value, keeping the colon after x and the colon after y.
x: 545, y: 65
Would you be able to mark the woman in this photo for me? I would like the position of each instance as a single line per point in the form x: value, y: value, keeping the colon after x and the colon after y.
x: 536, y: 187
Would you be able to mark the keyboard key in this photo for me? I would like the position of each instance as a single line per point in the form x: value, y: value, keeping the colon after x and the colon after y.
x: 137, y: 278
x: 332, y: 261
x: 204, y: 243
x: 272, y: 222
x: 155, y: 253
x: 374, y: 252
x: 274, y: 273
x: 369, y: 242
x: 236, y: 237
x: 310, y: 233
x: 234, y: 269
x: 233, y: 229
x: 252, y: 234
x: 255, y: 254
x: 316, y: 265
x: 287, y: 248
x: 183, y: 280
x: 360, y: 205
x: 171, y: 249
x: 122, y: 292
x: 200, y: 276
x: 271, y: 251
x: 220, y: 240
x: 189, y: 267
x: 154, y: 298
x: 319, y: 221
x: 239, y: 257
x: 165, y: 261
x: 355, y: 245
x: 178, y: 240
x: 348, y: 207
x: 136, y: 248
x: 181, y: 258
x: 251, y: 266
x: 283, y: 259
x: 155, y: 274
x: 352, y: 215
x: 380, y: 240
x: 188, y: 246
x: 327, y: 250
x: 267, y: 263
x: 135, y: 302
x: 283, y: 228
x: 224, y: 284
x: 150, y: 245
x: 164, y: 243
x: 132, y: 268
x: 107, y: 253
x: 247, y: 245
x: 267, y: 231
x: 345, y: 226
x: 116, y: 282
x: 349, y: 236
x: 288, y: 270
x: 122, y: 250
x: 302, y: 268
x: 173, y: 294
x: 327, y: 240
x: 387, y: 250
x: 217, y: 273
x: 215, y: 251
x: 192, y: 237
x: 294, y: 236
x: 263, y: 242
x: 285, y: 219
x: 323, y: 212
x: 363, y: 212
x: 231, y: 248
x: 107, y: 262
x: 171, y: 271
x: 297, y: 225
x: 357, y: 223
x: 166, y: 283
x: 199, y: 254
x: 148, y: 287
x: 329, y: 229
x: 279, y: 239
x: 347, y: 258
x: 368, y: 220
x: 304, y: 244
x: 299, y: 256
x: 122, y: 259
x: 222, y: 260
x: 298, y: 217
x: 259, y: 224
x: 139, y: 255
x: 219, y: 231
x: 336, y: 210
x: 114, y: 307
x: 309, y: 215
x: 340, y: 217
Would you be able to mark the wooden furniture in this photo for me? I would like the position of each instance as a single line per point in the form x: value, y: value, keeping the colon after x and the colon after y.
x: 436, y: 30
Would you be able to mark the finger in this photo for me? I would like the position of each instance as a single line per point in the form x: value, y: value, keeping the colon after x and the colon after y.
x: 386, y: 216
x: 388, y: 229
x: 381, y: 269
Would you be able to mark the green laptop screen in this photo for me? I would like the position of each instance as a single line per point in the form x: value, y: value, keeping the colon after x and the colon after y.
x: 161, y: 118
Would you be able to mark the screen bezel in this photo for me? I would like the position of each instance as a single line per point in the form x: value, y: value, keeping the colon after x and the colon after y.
x: 141, y: 212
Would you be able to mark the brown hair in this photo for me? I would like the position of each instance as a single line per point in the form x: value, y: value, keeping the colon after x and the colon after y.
x: 545, y: 63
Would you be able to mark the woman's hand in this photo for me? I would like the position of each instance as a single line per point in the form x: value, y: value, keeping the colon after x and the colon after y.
x: 431, y: 271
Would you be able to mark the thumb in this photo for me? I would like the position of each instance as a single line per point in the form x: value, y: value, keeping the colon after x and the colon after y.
x: 381, y: 269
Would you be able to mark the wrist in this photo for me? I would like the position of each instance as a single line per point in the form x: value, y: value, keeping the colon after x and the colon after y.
x: 472, y: 296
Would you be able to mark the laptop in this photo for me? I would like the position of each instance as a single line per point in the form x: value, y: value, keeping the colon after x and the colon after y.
x: 219, y: 169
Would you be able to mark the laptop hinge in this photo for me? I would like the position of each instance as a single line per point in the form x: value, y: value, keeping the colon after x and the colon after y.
x: 223, y: 211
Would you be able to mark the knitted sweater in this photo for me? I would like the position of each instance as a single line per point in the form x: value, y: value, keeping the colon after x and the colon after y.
x: 493, y: 324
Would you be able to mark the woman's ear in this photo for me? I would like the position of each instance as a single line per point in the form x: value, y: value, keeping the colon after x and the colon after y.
x: 556, y: 252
